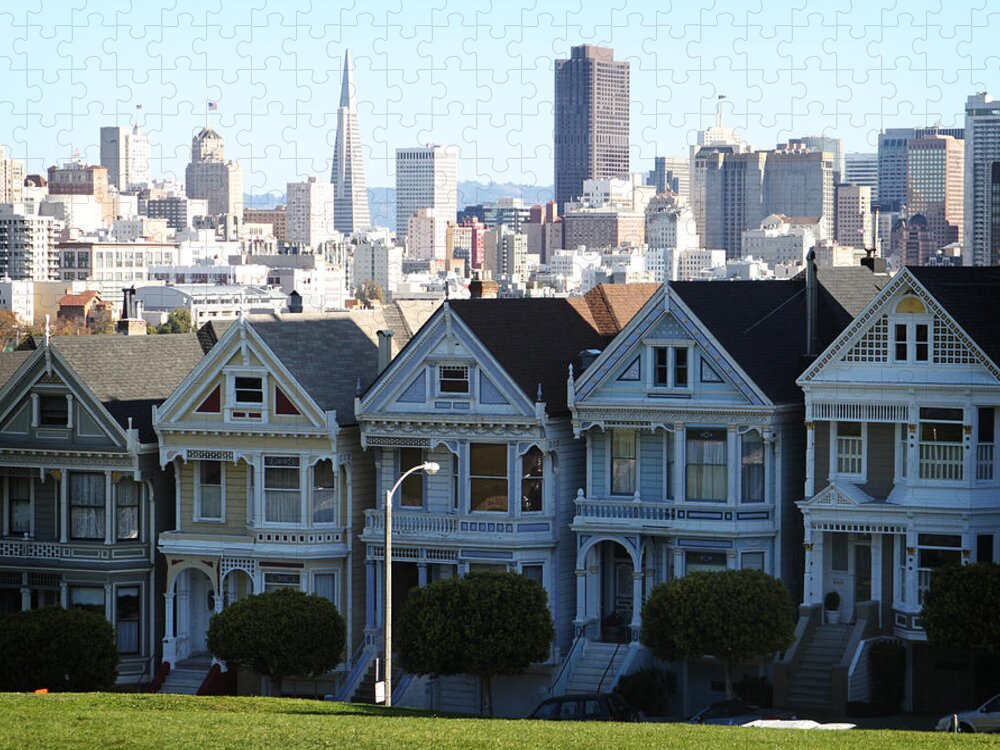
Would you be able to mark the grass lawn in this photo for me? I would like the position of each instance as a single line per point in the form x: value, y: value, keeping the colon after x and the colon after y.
x: 176, y: 722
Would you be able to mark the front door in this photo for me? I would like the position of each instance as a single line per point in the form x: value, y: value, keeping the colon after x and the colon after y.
x: 201, y: 607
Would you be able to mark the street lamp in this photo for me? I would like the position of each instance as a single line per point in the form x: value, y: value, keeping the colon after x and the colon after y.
x: 431, y: 468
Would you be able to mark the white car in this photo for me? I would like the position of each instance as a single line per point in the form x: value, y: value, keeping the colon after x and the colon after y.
x: 985, y: 719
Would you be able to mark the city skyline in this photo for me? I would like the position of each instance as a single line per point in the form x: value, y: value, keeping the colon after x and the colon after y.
x: 475, y: 78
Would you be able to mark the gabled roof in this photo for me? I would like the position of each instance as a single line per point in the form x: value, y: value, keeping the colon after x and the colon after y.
x: 535, y: 340
x: 762, y: 324
x: 971, y: 295
x: 128, y: 374
x: 330, y: 353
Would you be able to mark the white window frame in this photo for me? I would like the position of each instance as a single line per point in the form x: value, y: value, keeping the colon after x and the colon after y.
x: 305, y: 491
x: 139, y: 507
x: 198, y: 517
x: 761, y: 552
x: 911, y: 321
x: 311, y: 474
x: 142, y: 609
x: 231, y: 405
x: 835, y: 452
x: 336, y: 584
x: 439, y: 393
x: 6, y: 507
x: 266, y: 573
x: 671, y: 347
x: 610, y: 438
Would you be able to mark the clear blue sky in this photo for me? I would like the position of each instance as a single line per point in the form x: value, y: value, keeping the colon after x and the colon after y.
x: 467, y: 73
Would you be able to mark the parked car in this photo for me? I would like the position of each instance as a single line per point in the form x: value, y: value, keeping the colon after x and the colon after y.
x: 585, y: 707
x: 735, y: 712
x: 985, y: 719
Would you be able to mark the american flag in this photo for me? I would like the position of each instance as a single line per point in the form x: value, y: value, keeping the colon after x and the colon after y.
x: 138, y: 106
x: 212, y: 106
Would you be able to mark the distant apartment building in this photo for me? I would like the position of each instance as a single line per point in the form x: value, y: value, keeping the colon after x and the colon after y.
x: 427, y: 234
x: 799, y: 182
x: 179, y: 211
x: 602, y: 228
x: 892, y: 143
x: 591, y: 120
x: 853, y: 220
x: 125, y: 154
x: 820, y: 143
x: 11, y: 179
x: 781, y: 239
x: 426, y: 178
x: 310, y: 212
x: 125, y: 262
x: 79, y: 179
x: 544, y: 231
x: 28, y: 245
x: 277, y: 217
x: 380, y: 263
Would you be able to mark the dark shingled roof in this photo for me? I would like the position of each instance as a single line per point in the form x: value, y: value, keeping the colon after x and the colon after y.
x: 762, y: 324
x: 10, y: 362
x: 972, y: 297
x: 535, y: 340
x: 129, y: 374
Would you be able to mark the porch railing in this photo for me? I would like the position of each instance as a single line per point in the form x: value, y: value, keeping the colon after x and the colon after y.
x: 622, y: 510
x: 412, y: 523
x: 942, y: 461
x: 984, y: 461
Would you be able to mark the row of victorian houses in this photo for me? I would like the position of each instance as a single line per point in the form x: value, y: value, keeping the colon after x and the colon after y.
x: 836, y: 431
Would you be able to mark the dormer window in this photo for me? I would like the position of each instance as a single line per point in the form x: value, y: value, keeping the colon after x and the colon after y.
x: 453, y: 380
x: 249, y: 390
x: 53, y: 411
x: 911, y: 331
x: 671, y: 367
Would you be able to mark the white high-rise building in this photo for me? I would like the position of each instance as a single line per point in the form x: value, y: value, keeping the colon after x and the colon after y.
x: 862, y: 169
x: 380, y: 263
x: 426, y: 177
x: 854, y: 216
x: 11, y: 179
x: 310, y: 211
x: 670, y: 226
x: 125, y: 154
x: 981, y: 245
x: 350, y: 193
x: 28, y: 245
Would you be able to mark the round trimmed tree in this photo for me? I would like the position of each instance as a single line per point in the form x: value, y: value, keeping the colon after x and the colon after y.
x: 962, y: 606
x: 484, y: 624
x: 735, y: 616
x: 279, y: 634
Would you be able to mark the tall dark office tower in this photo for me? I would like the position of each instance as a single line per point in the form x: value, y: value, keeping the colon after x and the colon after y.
x: 591, y: 119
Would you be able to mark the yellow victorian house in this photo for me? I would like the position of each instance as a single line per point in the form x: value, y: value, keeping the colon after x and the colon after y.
x: 271, y: 479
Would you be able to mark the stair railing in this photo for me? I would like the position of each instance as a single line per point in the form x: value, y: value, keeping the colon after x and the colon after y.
x: 358, y: 666
x: 612, y: 661
x: 571, y: 658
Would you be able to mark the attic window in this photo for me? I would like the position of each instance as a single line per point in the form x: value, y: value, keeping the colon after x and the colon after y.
x: 53, y: 411
x: 249, y: 390
x: 453, y: 379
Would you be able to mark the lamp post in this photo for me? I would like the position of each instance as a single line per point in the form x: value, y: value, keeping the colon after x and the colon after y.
x: 431, y: 468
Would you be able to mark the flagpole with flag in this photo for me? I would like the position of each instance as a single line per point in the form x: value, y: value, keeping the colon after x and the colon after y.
x: 212, y: 107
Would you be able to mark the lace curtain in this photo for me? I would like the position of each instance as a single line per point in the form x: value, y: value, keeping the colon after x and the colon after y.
x: 86, y: 497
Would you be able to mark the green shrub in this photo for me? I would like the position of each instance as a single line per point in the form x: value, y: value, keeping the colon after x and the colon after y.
x: 59, y: 649
x: 279, y: 634
x: 756, y: 690
x: 648, y: 690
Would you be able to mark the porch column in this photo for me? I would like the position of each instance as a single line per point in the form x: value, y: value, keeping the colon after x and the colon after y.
x: 370, y: 598
x: 637, y: 578
x: 679, y: 466
x: 25, y: 593
x: 814, y: 568
x: 169, y: 634
x: 109, y: 509
x: 421, y: 574
x: 63, y: 594
x: 63, y: 505
x: 910, y: 573
x: 876, y: 593
x: 581, y: 598
x: 732, y: 465
x: 810, y: 488
x: 678, y: 562
x: 732, y: 562
x: 109, y: 604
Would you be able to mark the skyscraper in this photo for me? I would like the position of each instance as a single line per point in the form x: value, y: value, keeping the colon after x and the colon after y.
x: 825, y: 143
x: 892, y: 162
x: 862, y: 169
x: 350, y: 194
x: 591, y: 119
x: 211, y: 177
x: 982, y: 181
x: 125, y: 154
x: 11, y: 179
x: 426, y: 177
x: 853, y: 226
x: 935, y: 169
x: 310, y: 212
x: 800, y: 183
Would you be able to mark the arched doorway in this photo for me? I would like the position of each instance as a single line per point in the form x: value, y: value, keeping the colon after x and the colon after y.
x: 611, y: 592
x: 195, y: 605
x: 236, y: 585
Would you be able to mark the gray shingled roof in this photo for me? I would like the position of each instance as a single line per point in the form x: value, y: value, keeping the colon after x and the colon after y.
x: 9, y: 364
x: 129, y: 374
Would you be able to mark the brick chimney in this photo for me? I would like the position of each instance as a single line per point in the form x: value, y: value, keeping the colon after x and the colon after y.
x: 483, y: 289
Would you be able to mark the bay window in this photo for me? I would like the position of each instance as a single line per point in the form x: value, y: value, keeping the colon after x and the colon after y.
x: 706, y: 465
x: 86, y: 503
x: 532, y: 474
x: 209, y: 491
x: 488, y: 477
x: 324, y: 495
x: 127, y: 509
x: 850, y: 448
x: 941, y: 444
x: 90, y: 598
x: 623, y: 464
x: 411, y: 492
x: 127, y: 619
x: 19, y: 505
x: 275, y: 581
x: 325, y: 585
x: 282, y: 490
x: 985, y: 438
x: 752, y: 467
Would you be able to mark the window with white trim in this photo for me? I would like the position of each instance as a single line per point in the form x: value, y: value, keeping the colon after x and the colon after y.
x: 275, y: 581
x: 248, y: 390
x: 411, y: 491
x: 324, y: 494
x: 127, y: 622
x: 282, y: 490
x: 127, y: 494
x: 671, y: 367
x: 850, y: 448
x: 53, y: 410
x: 488, y: 477
x: 325, y: 585
x: 532, y: 480
x: 18, y: 505
x: 752, y: 467
x: 209, y: 493
x: 623, y: 461
x: 706, y: 471
x: 941, y: 451
x: 752, y: 561
x: 911, y: 331
x: 90, y: 598
x: 86, y: 505
x: 453, y: 380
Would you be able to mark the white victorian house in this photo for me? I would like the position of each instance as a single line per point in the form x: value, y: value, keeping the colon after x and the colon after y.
x: 901, y: 473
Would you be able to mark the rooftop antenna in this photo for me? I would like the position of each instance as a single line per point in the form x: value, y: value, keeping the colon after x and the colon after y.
x: 718, y: 111
x: 47, y: 330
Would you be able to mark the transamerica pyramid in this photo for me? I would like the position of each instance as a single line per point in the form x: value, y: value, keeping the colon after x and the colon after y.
x: 350, y: 194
